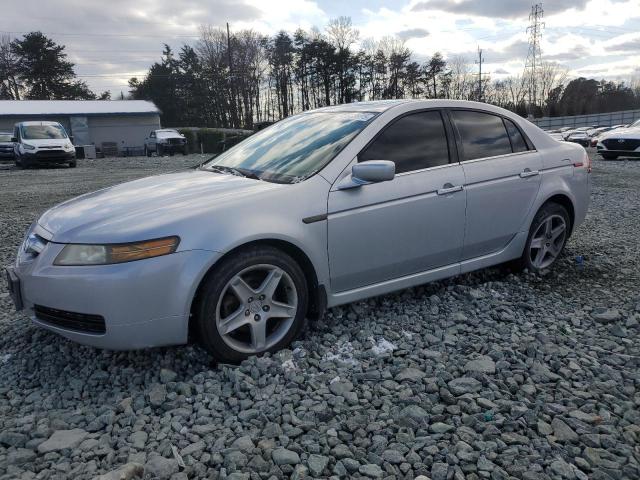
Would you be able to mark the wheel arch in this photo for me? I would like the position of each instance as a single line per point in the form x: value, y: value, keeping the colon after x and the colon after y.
x: 317, y: 292
x: 566, y: 202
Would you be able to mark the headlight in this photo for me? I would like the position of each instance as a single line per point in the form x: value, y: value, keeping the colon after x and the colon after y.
x: 79, y: 254
x: 68, y: 147
x: 26, y: 146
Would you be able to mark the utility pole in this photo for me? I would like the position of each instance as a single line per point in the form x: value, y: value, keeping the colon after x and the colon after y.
x: 534, y: 60
x: 480, y: 61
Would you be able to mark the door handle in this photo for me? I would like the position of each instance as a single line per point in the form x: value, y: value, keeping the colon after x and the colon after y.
x: 529, y: 173
x: 448, y: 188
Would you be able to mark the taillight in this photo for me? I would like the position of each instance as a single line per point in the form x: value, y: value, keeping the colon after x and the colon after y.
x: 586, y: 162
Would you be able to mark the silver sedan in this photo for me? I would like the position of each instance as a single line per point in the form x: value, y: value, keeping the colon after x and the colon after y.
x: 321, y: 209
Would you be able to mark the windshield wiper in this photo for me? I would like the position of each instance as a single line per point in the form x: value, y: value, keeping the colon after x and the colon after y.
x: 241, y: 172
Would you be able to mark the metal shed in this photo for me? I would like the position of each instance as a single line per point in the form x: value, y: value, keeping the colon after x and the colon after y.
x: 124, y: 122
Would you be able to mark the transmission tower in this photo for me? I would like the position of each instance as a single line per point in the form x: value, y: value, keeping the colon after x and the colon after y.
x: 534, y: 56
x: 480, y: 61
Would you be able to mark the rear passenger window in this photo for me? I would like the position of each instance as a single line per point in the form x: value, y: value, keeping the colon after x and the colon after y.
x: 517, y: 140
x: 482, y: 134
x: 413, y: 142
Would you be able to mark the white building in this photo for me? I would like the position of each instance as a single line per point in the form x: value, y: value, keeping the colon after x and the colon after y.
x: 125, y: 122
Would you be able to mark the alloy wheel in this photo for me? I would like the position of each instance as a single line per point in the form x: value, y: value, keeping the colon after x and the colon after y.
x: 256, y: 308
x: 547, y: 241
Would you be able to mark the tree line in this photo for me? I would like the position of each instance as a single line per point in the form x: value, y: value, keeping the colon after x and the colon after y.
x: 35, y: 67
x: 240, y: 79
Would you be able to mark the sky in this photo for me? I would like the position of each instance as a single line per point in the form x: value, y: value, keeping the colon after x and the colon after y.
x: 112, y: 41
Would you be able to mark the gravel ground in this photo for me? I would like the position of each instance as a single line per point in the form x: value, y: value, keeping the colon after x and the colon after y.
x: 488, y: 375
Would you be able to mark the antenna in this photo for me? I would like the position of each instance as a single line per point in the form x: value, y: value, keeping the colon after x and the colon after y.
x: 534, y: 56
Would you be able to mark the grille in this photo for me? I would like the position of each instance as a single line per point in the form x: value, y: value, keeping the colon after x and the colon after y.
x: 51, y: 153
x: 626, y: 144
x: 175, y: 141
x: 79, y: 322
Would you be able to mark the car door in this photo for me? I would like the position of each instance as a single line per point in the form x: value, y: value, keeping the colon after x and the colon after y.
x: 411, y: 224
x: 502, y: 179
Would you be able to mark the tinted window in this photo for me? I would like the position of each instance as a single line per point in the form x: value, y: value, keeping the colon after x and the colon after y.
x: 482, y: 134
x: 517, y: 140
x: 413, y: 142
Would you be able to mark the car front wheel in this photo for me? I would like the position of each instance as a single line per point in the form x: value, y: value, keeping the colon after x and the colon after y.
x: 609, y: 156
x: 254, y: 302
x: 547, y: 237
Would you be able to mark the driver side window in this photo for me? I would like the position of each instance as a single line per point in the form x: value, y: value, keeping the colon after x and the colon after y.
x: 414, y: 142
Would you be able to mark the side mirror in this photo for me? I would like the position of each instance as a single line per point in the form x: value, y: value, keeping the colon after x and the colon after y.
x: 371, y: 171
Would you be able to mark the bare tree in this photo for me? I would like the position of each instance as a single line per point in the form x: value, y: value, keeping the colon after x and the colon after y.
x: 9, y: 83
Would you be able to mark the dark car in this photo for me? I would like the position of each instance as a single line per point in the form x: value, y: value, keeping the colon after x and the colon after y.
x: 6, y: 146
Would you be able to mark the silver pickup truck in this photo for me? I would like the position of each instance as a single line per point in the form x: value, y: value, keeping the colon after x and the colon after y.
x: 166, y: 141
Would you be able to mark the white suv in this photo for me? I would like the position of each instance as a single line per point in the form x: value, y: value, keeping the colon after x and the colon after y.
x: 621, y: 142
x: 165, y: 141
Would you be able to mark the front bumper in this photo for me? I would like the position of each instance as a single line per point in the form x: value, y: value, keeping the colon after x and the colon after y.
x: 142, y: 304
x: 48, y: 157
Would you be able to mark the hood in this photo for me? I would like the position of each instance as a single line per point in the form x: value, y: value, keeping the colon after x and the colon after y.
x: 48, y: 142
x: 151, y: 207
x: 621, y: 133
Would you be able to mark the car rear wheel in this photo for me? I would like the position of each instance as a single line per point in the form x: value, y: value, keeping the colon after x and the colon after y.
x: 254, y: 302
x: 548, y: 235
x: 609, y: 156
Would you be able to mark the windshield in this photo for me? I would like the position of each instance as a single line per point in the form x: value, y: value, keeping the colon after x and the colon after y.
x: 42, y: 132
x: 167, y: 133
x: 294, y: 148
x: 5, y: 137
x: 635, y: 124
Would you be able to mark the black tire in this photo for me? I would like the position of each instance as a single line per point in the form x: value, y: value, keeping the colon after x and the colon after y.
x: 147, y: 152
x: 73, y: 164
x: 18, y: 162
x: 214, y: 285
x: 609, y: 156
x: 184, y: 151
x: 159, y: 150
x: 547, y: 210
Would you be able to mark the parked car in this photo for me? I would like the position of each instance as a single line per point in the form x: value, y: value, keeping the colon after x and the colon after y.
x: 320, y: 209
x: 557, y: 136
x: 620, y: 142
x: 580, y: 137
x: 166, y: 141
x: 6, y: 146
x: 42, y: 143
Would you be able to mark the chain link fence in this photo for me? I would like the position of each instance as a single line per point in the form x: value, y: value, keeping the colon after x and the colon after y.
x: 600, y: 119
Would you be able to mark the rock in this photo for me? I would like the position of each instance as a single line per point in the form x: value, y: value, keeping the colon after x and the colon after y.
x: 138, y: 439
x: 413, y: 416
x: 393, y: 456
x: 371, y: 470
x: 282, y: 456
x: 411, y: 374
x: 317, y: 464
x: 562, y: 431
x: 12, y: 439
x: 62, y: 439
x: 193, y: 448
x: 129, y: 471
x: 605, y: 315
x: 585, y: 417
x: 340, y: 388
x: 244, y: 444
x: 157, y: 395
x: 440, y: 427
x: 161, y: 468
x: 544, y: 428
x: 562, y: 468
x: 20, y: 456
x: 460, y: 386
x: 482, y: 364
x: 439, y: 471
x: 167, y: 375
